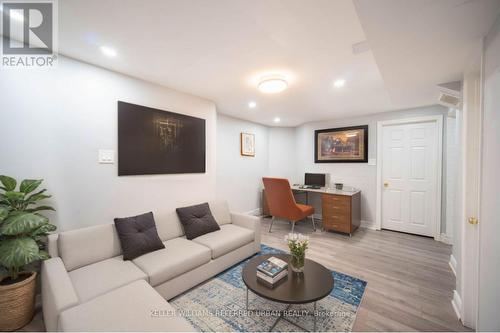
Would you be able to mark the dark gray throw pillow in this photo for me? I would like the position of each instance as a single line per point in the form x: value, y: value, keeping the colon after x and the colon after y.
x: 138, y: 235
x: 197, y: 220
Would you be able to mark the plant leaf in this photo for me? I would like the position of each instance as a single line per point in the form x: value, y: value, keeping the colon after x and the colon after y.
x: 13, y: 196
x: 43, y: 255
x: 9, y: 183
x: 18, y: 252
x: 31, y: 210
x: 37, y: 196
x: 44, y: 229
x: 29, y: 185
x: 4, y: 212
x: 22, y: 223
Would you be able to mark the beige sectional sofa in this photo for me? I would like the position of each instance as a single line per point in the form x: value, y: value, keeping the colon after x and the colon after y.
x: 87, y: 286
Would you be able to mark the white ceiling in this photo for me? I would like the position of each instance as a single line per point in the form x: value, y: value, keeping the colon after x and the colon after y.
x: 216, y: 49
x: 421, y: 43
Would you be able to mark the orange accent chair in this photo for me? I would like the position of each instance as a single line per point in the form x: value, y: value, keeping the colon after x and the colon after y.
x: 282, y: 203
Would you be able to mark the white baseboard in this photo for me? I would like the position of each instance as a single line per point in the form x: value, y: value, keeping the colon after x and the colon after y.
x: 453, y: 264
x: 368, y: 225
x: 256, y: 212
x: 456, y: 303
x: 444, y: 238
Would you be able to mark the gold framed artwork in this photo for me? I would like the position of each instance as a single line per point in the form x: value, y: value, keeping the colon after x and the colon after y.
x: 247, y: 144
x: 341, y: 145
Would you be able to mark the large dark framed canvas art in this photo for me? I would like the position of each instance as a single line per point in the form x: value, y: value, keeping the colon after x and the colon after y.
x: 341, y: 145
x: 152, y: 141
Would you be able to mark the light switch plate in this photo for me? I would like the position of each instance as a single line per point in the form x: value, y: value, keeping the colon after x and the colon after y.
x: 106, y: 156
x: 372, y: 161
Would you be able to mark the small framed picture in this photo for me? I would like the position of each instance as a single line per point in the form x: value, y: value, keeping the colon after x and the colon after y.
x: 247, y: 144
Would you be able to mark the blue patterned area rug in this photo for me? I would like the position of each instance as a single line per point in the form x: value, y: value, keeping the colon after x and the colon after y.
x: 218, y: 305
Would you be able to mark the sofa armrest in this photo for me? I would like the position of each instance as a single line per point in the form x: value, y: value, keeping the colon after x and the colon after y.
x: 250, y: 222
x: 52, y: 245
x: 58, y: 293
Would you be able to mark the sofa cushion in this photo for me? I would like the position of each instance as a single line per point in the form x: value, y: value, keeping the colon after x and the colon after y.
x: 138, y: 235
x: 99, y: 278
x: 220, y: 212
x: 227, y: 239
x: 134, y: 307
x: 197, y: 220
x: 81, y: 247
x: 168, y: 225
x: 179, y: 256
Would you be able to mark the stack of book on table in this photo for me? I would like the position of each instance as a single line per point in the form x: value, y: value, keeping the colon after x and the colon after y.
x: 271, y: 271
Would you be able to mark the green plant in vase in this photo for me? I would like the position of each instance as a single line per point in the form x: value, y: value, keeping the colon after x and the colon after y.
x: 22, y: 231
x: 297, y: 243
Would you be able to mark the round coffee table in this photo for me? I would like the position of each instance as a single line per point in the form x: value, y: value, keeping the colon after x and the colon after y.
x: 313, y: 284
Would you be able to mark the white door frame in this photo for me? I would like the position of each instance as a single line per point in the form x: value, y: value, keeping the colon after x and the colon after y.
x: 438, y: 119
x: 467, y: 308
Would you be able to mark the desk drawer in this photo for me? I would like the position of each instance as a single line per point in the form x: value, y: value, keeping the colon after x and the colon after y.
x: 336, y: 200
x: 336, y: 205
x: 337, y: 223
x: 336, y: 209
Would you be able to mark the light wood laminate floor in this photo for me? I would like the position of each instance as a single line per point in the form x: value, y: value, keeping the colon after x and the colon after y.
x: 410, y: 284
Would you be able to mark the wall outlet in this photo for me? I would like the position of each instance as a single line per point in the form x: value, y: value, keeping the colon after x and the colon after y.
x: 106, y: 156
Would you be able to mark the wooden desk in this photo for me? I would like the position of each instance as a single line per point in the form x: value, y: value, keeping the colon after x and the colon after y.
x: 341, y: 209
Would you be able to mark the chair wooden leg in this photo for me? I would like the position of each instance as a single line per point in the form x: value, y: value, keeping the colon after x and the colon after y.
x: 272, y: 221
x: 314, y: 225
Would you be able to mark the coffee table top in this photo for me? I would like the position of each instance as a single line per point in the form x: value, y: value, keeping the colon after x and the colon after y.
x: 315, y: 283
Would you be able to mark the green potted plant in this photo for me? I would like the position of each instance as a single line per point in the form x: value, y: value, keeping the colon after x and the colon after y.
x: 22, y: 231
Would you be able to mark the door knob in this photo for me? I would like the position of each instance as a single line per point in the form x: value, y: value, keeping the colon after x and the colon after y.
x: 473, y: 220
x: 386, y: 184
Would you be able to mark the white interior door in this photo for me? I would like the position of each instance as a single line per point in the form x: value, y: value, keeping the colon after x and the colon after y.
x: 410, y: 177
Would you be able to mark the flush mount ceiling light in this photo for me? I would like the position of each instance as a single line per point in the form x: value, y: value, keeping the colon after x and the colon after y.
x: 272, y: 84
x: 277, y: 119
x: 339, y: 83
x: 108, y: 52
x: 252, y: 105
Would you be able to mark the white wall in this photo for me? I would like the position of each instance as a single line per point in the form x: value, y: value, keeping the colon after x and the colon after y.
x: 454, y: 209
x: 53, y: 123
x: 489, y: 288
x: 451, y: 164
x: 239, y: 178
x: 282, y: 152
x: 359, y: 175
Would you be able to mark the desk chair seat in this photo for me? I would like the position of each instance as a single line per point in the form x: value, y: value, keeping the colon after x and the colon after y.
x: 307, y: 210
x: 281, y: 202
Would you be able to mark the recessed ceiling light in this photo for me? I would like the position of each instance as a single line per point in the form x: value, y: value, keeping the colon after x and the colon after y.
x: 272, y: 84
x: 277, y: 119
x: 252, y: 105
x: 339, y: 83
x: 108, y: 52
